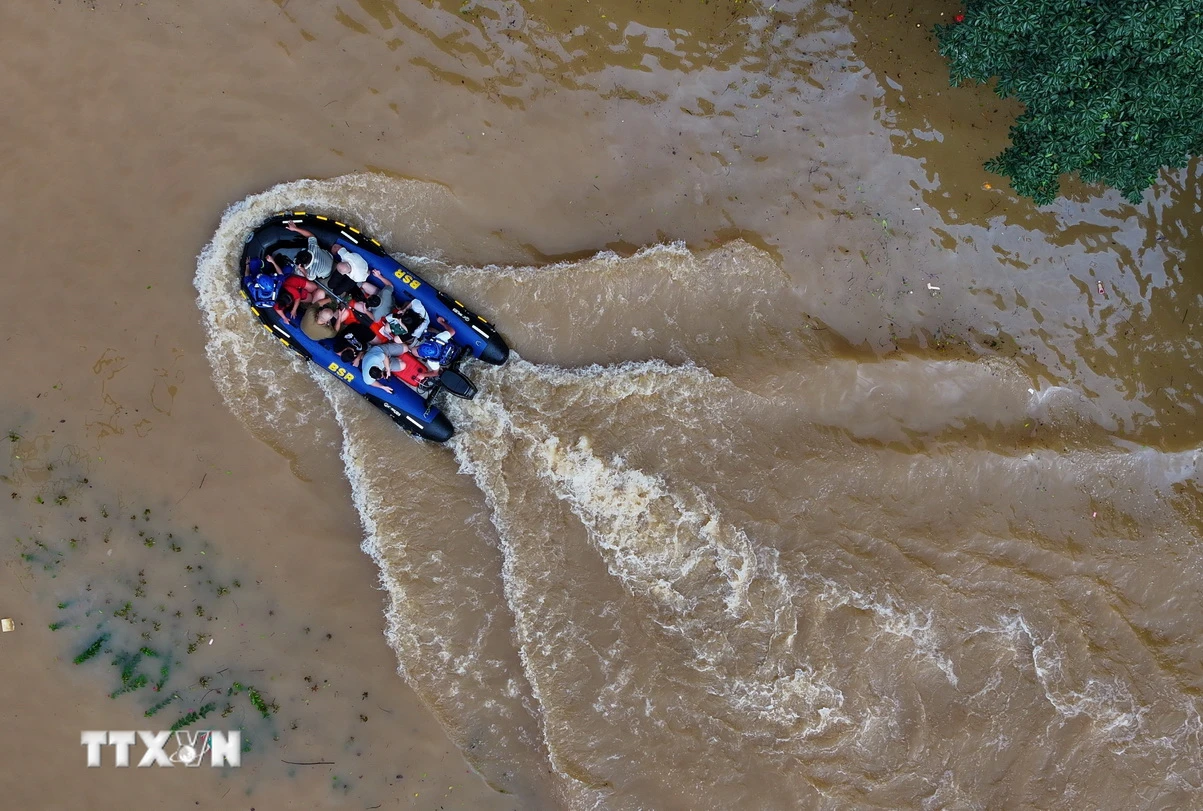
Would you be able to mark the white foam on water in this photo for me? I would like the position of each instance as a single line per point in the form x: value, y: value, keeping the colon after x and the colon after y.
x: 916, y: 625
x: 652, y: 538
x: 680, y: 265
x: 668, y: 543
x: 480, y: 457
x: 1109, y: 705
x: 401, y: 628
x: 440, y: 631
x: 672, y: 549
x: 793, y: 701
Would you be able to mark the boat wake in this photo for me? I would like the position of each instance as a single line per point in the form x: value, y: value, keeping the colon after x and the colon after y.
x: 762, y: 570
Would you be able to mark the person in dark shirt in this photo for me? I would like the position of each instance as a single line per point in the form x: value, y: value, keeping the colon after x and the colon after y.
x: 352, y: 341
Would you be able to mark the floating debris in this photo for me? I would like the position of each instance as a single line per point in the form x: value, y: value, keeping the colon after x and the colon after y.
x: 7, y: 625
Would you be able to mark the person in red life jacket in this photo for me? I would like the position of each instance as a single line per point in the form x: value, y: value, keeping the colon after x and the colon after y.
x: 394, y: 359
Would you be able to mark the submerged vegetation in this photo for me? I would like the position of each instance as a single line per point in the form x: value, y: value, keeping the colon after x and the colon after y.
x: 144, y: 669
x: 157, y: 618
x: 139, y: 617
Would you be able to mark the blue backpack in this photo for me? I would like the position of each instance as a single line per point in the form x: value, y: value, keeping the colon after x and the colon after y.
x: 263, y: 289
x: 432, y: 350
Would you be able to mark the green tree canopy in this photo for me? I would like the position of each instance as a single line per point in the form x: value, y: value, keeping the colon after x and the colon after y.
x: 1112, y: 89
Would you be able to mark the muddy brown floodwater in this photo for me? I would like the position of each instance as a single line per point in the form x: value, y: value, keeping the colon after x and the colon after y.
x: 827, y: 473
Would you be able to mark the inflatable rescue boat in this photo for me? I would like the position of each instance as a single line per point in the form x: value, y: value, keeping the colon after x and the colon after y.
x: 450, y: 334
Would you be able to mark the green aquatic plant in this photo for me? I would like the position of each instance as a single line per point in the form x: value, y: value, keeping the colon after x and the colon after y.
x: 258, y: 702
x: 136, y: 683
x: 92, y: 649
x: 140, y: 629
x: 255, y: 697
x: 1110, y: 89
x: 160, y: 705
x: 191, y: 718
x: 128, y: 662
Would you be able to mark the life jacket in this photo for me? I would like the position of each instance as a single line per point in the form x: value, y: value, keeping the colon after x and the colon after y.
x: 263, y: 288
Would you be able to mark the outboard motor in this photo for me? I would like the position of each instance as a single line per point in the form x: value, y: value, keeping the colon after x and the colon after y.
x: 455, y: 383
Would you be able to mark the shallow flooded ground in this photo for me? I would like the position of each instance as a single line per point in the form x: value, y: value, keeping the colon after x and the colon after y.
x: 828, y: 473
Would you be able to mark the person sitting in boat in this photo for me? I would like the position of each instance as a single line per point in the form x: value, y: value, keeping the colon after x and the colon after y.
x: 352, y: 341
x: 394, y: 359
x: 315, y: 263
x: 353, y: 275
x: 329, y: 320
x: 343, y: 270
x: 380, y: 302
x: 317, y: 323
x: 404, y: 325
x: 295, y: 292
x: 263, y: 283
